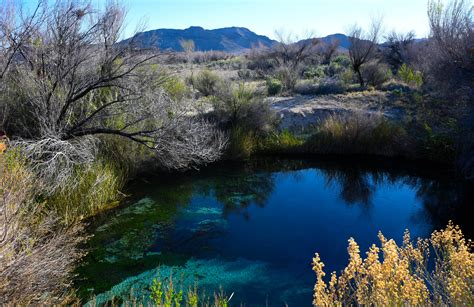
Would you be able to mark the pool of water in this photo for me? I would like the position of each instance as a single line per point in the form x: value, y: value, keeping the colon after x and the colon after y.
x: 252, y: 228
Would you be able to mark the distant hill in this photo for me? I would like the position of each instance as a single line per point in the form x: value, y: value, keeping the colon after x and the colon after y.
x: 232, y: 39
x: 344, y: 41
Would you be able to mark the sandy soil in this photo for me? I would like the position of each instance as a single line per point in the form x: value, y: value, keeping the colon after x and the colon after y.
x: 300, y: 113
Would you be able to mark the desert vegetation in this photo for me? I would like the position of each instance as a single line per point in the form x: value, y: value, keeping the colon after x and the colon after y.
x: 83, y: 111
x: 434, y: 271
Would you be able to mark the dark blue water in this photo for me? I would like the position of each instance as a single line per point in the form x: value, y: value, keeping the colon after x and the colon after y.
x: 253, y: 228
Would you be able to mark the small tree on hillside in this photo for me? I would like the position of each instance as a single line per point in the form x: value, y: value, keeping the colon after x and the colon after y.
x: 363, y: 48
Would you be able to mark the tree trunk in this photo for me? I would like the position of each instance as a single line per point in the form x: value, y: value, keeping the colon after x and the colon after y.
x: 361, y: 80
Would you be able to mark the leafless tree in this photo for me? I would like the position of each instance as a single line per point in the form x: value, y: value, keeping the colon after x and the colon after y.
x: 328, y: 50
x: 288, y: 55
x: 291, y: 52
x: 78, y: 80
x: 398, y: 48
x: 363, y: 48
x: 452, y: 35
x: 16, y: 30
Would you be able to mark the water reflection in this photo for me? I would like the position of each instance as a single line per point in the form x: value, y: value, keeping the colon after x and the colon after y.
x: 276, y: 212
x: 236, y: 192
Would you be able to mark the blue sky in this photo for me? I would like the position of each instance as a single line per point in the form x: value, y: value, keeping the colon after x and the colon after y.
x: 320, y: 17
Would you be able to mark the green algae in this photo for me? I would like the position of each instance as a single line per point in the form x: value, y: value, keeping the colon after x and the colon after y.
x: 208, y: 275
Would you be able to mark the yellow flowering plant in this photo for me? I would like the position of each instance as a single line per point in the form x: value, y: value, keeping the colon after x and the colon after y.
x: 400, y: 275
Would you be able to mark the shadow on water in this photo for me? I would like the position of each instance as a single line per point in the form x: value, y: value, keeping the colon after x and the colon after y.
x: 238, y: 219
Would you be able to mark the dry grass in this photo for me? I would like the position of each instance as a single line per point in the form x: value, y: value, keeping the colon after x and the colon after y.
x: 403, y: 277
x: 358, y: 134
x: 37, y: 255
x: 90, y: 189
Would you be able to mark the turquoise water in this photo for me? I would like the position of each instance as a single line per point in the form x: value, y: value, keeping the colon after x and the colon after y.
x: 252, y: 228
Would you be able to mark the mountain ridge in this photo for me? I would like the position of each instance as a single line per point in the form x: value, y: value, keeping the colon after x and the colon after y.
x: 228, y: 39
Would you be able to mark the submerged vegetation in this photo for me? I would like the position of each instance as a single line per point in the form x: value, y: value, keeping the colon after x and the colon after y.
x: 85, y: 112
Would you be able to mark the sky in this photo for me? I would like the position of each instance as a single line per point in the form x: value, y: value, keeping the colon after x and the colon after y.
x: 299, y: 17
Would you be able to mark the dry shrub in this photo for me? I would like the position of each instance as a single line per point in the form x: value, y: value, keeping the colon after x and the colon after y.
x: 206, y: 82
x: 54, y: 161
x: 450, y: 56
x: 376, y: 73
x: 403, y: 276
x: 37, y: 254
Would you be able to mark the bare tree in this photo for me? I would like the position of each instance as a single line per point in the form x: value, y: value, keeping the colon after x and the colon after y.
x: 288, y: 56
x: 452, y: 35
x: 328, y: 50
x: 363, y: 48
x: 16, y: 29
x: 397, y: 49
x: 291, y: 52
x: 78, y: 81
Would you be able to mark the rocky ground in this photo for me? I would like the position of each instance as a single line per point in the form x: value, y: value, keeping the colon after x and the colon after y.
x: 302, y: 113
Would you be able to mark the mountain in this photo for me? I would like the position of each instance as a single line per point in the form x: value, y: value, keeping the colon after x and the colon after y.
x: 344, y: 41
x: 232, y: 39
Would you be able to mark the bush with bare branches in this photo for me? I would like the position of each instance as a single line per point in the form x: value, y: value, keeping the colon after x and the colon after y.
x: 451, y: 58
x: 78, y: 82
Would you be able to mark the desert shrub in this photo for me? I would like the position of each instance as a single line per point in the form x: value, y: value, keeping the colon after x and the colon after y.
x: 375, y: 74
x: 175, y: 88
x: 306, y: 87
x: 206, y: 82
x: 247, y: 74
x: 330, y: 86
x: 347, y: 77
x: 242, y: 105
x: 403, y: 275
x: 259, y: 61
x: 274, y: 86
x: 409, y: 76
x: 232, y: 100
x: 37, y: 254
x: 199, y: 57
x: 288, y: 77
x: 342, y: 60
x: 312, y: 72
x: 334, y: 69
x: 357, y: 134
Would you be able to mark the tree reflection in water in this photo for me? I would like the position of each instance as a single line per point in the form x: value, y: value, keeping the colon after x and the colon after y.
x: 170, y: 218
